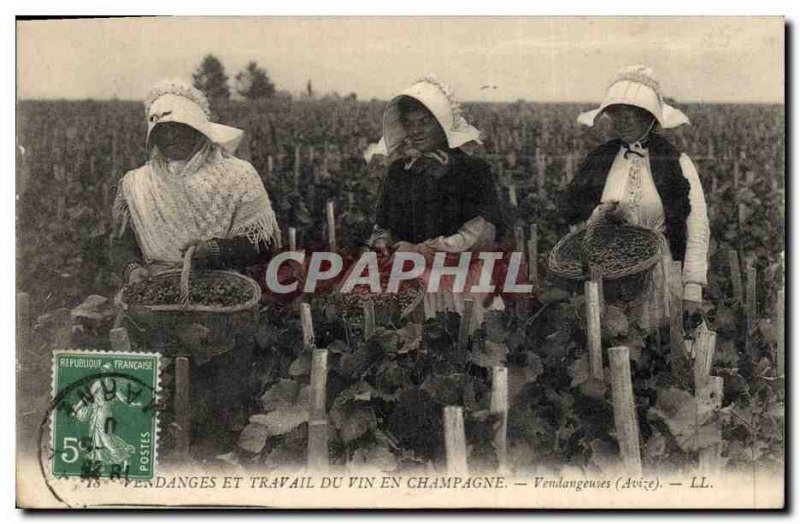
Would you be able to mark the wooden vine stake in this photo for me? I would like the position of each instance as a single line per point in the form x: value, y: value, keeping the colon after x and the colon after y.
x: 499, y: 407
x: 519, y: 236
x: 750, y: 297
x: 741, y: 210
x: 703, y: 356
x: 569, y: 166
x: 736, y: 275
x: 325, y: 154
x: 520, y: 306
x: 464, y: 326
x: 708, y: 399
x: 501, y: 173
x: 182, y: 406
x: 369, y: 319
x: 710, y: 457
x: 512, y: 195
x: 63, y: 321
x: 61, y: 200
x: 455, y: 442
x: 23, y: 322
x: 114, y: 150
x: 318, y: 420
x: 533, y: 257
x: 541, y: 167
x: 666, y: 261
x: 677, y: 350
x: 593, y: 335
x: 292, y: 239
x: 624, y: 412
x: 307, y: 324
x: 596, y: 276
x: 781, y: 341
x: 270, y: 165
x: 296, y: 166
x: 331, y: 226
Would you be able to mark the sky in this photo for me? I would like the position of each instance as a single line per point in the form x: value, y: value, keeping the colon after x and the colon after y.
x: 483, y: 59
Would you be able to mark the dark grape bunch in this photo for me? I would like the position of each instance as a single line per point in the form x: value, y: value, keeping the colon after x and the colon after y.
x: 166, y: 291
x: 351, y: 305
x: 612, y: 251
x: 621, y: 251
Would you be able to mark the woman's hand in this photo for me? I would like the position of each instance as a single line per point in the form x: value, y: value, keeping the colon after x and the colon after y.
x: 600, y: 212
x: 408, y: 247
x: 138, y: 274
x: 205, y: 254
x: 381, y: 246
x: 613, y: 212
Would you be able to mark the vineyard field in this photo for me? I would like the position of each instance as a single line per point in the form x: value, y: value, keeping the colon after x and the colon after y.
x: 71, y: 155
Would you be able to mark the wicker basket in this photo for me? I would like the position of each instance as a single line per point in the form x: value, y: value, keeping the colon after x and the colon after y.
x: 385, y: 307
x: 623, y: 282
x: 196, y: 330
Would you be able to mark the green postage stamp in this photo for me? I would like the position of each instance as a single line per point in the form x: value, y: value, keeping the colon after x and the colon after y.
x: 105, y: 421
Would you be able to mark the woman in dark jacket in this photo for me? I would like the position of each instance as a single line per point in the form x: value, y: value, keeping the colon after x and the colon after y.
x: 436, y: 197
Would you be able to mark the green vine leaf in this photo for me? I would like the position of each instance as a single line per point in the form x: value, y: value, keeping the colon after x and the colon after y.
x: 282, y: 395
x: 447, y: 390
x: 691, y: 421
x: 350, y: 418
x: 615, y: 323
x: 578, y: 371
x: 253, y: 437
x: 492, y: 354
x: 301, y: 366
x: 374, y: 457
x: 281, y: 421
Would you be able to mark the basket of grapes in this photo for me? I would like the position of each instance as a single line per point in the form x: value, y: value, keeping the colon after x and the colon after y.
x: 622, y: 254
x: 389, y: 306
x: 198, y: 313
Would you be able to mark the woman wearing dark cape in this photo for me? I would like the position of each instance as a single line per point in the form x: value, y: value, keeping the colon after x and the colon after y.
x: 436, y: 196
x: 641, y: 178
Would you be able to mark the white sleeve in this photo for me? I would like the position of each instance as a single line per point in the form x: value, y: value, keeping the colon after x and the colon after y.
x: 695, y: 263
x: 474, y: 233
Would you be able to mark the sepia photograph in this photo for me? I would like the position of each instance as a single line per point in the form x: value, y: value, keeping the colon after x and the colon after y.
x: 400, y: 262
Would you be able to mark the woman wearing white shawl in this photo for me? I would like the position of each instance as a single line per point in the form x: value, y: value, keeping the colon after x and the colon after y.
x: 191, y: 192
x: 194, y: 192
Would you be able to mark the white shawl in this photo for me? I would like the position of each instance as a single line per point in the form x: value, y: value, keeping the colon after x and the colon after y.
x: 214, y: 195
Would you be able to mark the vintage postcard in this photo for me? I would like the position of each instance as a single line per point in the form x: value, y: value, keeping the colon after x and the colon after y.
x: 431, y: 262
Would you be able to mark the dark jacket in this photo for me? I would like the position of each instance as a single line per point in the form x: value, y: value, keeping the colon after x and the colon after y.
x: 586, y: 189
x: 430, y: 200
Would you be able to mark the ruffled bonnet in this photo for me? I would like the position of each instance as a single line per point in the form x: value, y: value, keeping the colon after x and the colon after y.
x: 637, y: 86
x: 177, y: 101
x: 439, y: 99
